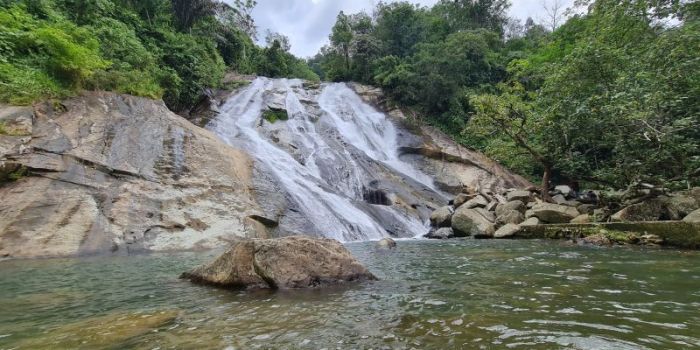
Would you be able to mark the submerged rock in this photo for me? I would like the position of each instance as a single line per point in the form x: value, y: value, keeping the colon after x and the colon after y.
x: 441, y: 233
x: 102, y: 332
x: 282, y: 263
x: 386, y: 243
x: 599, y: 239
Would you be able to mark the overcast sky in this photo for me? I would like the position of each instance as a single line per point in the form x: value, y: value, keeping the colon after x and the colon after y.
x: 308, y: 23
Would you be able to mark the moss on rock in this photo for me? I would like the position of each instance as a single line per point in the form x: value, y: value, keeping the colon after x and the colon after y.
x: 673, y: 233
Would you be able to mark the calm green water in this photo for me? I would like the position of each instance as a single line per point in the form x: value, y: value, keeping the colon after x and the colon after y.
x: 432, y: 295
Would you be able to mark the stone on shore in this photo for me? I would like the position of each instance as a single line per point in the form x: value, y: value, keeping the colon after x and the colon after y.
x: 462, y: 198
x: 508, y: 230
x: 441, y: 217
x: 510, y: 217
x: 552, y: 213
x: 469, y: 222
x: 649, y: 210
x: 514, y: 205
x: 282, y: 263
x: 477, y: 202
x: 533, y: 221
x: 693, y: 217
x: 524, y: 196
x: 582, y: 219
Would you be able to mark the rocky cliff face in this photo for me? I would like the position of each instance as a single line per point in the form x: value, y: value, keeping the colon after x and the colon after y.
x: 113, y: 173
x: 452, y: 166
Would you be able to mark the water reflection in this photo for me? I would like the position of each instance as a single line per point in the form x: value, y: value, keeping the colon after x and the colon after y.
x: 432, y: 295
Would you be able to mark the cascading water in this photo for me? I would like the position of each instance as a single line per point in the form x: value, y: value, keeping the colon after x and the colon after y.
x: 337, y: 146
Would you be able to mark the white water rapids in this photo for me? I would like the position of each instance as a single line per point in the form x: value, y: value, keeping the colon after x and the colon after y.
x: 333, y: 136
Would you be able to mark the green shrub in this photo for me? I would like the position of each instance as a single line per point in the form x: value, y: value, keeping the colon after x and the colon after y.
x: 196, y: 62
x: 21, y: 85
x: 273, y: 115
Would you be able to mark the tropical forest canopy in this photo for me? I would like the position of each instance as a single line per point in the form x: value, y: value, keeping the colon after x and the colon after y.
x: 609, y: 97
x: 172, y: 49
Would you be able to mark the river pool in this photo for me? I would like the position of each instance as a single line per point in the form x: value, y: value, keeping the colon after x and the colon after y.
x: 461, y: 294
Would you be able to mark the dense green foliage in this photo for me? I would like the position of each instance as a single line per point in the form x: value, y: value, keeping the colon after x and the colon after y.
x: 608, y: 98
x: 172, y: 49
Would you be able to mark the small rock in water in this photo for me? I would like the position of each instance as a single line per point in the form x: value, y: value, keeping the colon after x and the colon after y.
x: 386, y: 243
x: 441, y: 233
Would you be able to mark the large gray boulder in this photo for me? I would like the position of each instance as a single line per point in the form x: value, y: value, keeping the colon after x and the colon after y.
x: 533, y: 221
x: 693, y: 217
x: 506, y: 231
x: 649, y: 210
x: 552, y: 213
x: 510, y: 217
x: 477, y: 202
x: 469, y: 222
x: 509, y: 206
x: 523, y: 196
x: 462, y: 198
x: 679, y: 206
x: 281, y: 263
x: 441, y: 217
x: 565, y: 190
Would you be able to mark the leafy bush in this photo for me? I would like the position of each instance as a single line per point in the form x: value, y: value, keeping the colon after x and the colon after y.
x: 54, y: 48
x: 273, y: 115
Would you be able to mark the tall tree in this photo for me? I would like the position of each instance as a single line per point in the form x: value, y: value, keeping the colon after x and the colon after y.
x: 473, y: 14
x: 188, y: 12
x: 283, y: 40
x: 341, y: 37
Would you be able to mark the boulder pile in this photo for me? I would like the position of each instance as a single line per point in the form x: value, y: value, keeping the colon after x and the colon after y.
x: 484, y: 214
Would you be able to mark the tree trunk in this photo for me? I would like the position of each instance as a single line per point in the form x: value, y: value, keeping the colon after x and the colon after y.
x: 347, y: 59
x: 546, y: 176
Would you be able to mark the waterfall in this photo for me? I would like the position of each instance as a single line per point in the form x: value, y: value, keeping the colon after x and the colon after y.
x: 337, y: 146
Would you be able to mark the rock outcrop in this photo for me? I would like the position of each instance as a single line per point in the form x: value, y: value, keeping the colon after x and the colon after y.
x: 106, y: 173
x: 454, y: 167
x: 281, y: 263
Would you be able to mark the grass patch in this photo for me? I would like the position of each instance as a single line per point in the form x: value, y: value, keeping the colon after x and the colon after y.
x: 273, y: 115
x: 12, y: 173
x: 8, y: 131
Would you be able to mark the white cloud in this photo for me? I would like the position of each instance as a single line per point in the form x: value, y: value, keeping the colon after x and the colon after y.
x: 308, y: 23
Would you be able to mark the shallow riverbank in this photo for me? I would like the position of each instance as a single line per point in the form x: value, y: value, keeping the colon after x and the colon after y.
x: 432, y: 295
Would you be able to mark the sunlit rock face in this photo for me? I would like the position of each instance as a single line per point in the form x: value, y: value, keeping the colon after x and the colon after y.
x: 118, y: 174
x: 115, y: 174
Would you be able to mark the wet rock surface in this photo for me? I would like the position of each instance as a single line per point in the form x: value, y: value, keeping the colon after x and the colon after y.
x: 281, y: 263
x: 109, y: 173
